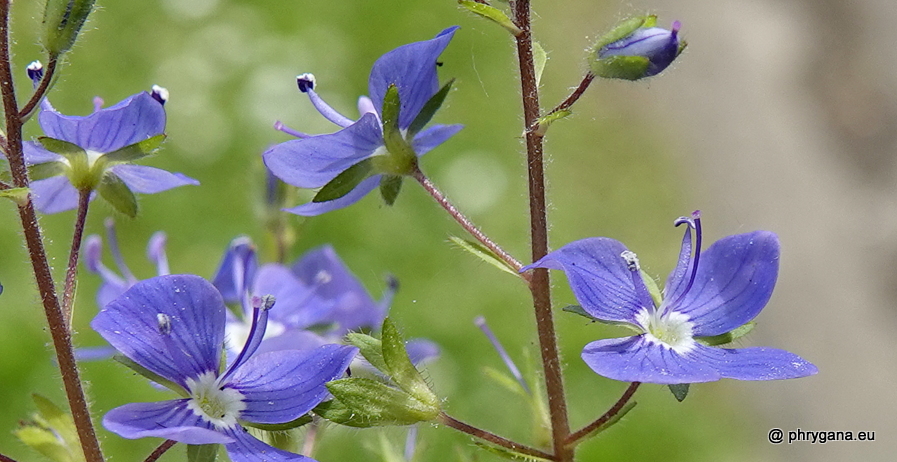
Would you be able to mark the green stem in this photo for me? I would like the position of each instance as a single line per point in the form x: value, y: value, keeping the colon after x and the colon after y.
x: 577, y: 436
x: 492, y: 438
x: 71, y: 272
x: 540, y: 284
x: 59, y: 331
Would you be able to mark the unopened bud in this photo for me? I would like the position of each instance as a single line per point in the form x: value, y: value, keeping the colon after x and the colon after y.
x: 63, y: 20
x: 636, y: 49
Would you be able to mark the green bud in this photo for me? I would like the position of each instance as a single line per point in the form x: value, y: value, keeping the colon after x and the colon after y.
x: 63, y: 20
x: 360, y: 402
x: 51, y: 432
x: 635, y: 49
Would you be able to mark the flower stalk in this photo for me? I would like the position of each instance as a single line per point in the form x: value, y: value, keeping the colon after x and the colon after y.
x: 59, y: 331
x: 577, y: 436
x: 71, y: 272
x: 539, y: 283
x: 492, y: 438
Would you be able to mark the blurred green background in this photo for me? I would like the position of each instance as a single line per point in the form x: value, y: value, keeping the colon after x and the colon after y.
x: 230, y: 68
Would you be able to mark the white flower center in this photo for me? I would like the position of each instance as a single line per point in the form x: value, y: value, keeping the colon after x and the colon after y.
x: 237, y: 333
x: 220, y: 406
x: 92, y: 157
x: 672, y: 330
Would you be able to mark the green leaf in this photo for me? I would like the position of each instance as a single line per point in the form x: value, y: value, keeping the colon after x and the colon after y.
x: 545, y: 121
x: 117, y: 194
x: 679, y: 390
x: 202, y: 452
x: 17, y: 195
x: 371, y: 349
x: 390, y: 185
x: 507, y: 453
x: 45, y: 170
x: 150, y: 375
x: 540, y: 58
x: 135, y: 151
x: 401, y: 371
x: 493, y: 14
x: 346, y: 181
x: 430, y: 107
x: 483, y: 253
x: 52, y: 433
x: 360, y: 402
x: 728, y: 337
x: 300, y: 421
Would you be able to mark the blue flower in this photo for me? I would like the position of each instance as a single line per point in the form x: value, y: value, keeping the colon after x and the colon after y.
x: 174, y: 327
x: 708, y: 294
x: 383, y: 144
x: 636, y: 49
x: 95, y: 153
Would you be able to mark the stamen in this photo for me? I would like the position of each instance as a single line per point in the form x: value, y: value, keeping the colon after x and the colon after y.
x: 155, y: 252
x: 509, y: 363
x: 306, y: 83
x: 159, y: 94
x: 260, y: 308
x: 641, y: 291
x: 410, y: 443
x: 365, y: 105
x: 116, y: 252
x: 696, y: 220
x: 392, y: 286
x: 279, y: 126
x: 35, y: 72
x: 97, y: 103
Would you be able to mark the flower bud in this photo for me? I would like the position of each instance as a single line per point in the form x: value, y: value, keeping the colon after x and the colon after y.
x: 635, y: 49
x: 62, y: 23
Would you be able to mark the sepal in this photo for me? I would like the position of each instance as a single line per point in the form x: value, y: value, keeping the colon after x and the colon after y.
x: 118, y: 195
x: 62, y: 22
x: 361, y: 402
x: 728, y: 337
x: 390, y: 185
x: 679, y: 391
x: 298, y: 422
x: 346, y: 181
x: 202, y: 452
x: 430, y: 107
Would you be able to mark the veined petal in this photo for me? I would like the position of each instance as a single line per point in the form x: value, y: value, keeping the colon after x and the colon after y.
x: 353, y: 306
x: 599, y: 277
x: 36, y: 154
x: 735, y: 279
x: 294, y: 339
x: 281, y: 386
x: 150, y: 180
x: 312, y: 162
x: 297, y: 304
x: 756, y: 363
x: 134, y: 119
x: 55, y: 194
x: 635, y: 359
x: 431, y: 137
x: 412, y: 69
x: 312, y: 209
x: 421, y: 351
x: 246, y: 448
x: 196, y: 312
x: 170, y: 420
x: 237, y: 270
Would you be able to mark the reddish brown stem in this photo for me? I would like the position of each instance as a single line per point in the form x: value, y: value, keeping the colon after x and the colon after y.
x: 492, y: 438
x: 155, y: 455
x: 540, y: 284
x: 71, y: 272
x: 576, y: 437
x: 467, y: 224
x: 577, y: 93
x: 61, y: 335
x: 6, y: 459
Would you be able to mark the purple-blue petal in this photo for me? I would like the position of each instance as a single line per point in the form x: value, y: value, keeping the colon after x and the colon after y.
x: 197, y: 314
x: 756, y: 363
x: 421, y: 351
x: 237, y: 270
x: 294, y: 339
x: 36, y: 154
x: 635, y: 359
x: 150, y: 180
x: 312, y: 162
x: 55, y: 194
x: 296, y: 304
x: 246, y: 448
x: 353, y: 306
x: 134, y: 119
x: 433, y: 136
x: 599, y: 277
x: 735, y: 279
x: 412, y: 69
x: 170, y: 420
x: 312, y: 209
x: 281, y: 386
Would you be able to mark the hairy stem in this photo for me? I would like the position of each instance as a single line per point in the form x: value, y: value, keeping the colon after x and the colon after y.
x: 577, y: 436
x: 6, y: 459
x: 467, y: 224
x: 59, y: 331
x: 68, y: 294
x: 41, y: 89
x: 577, y: 93
x: 492, y: 438
x: 540, y: 284
x: 157, y: 453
